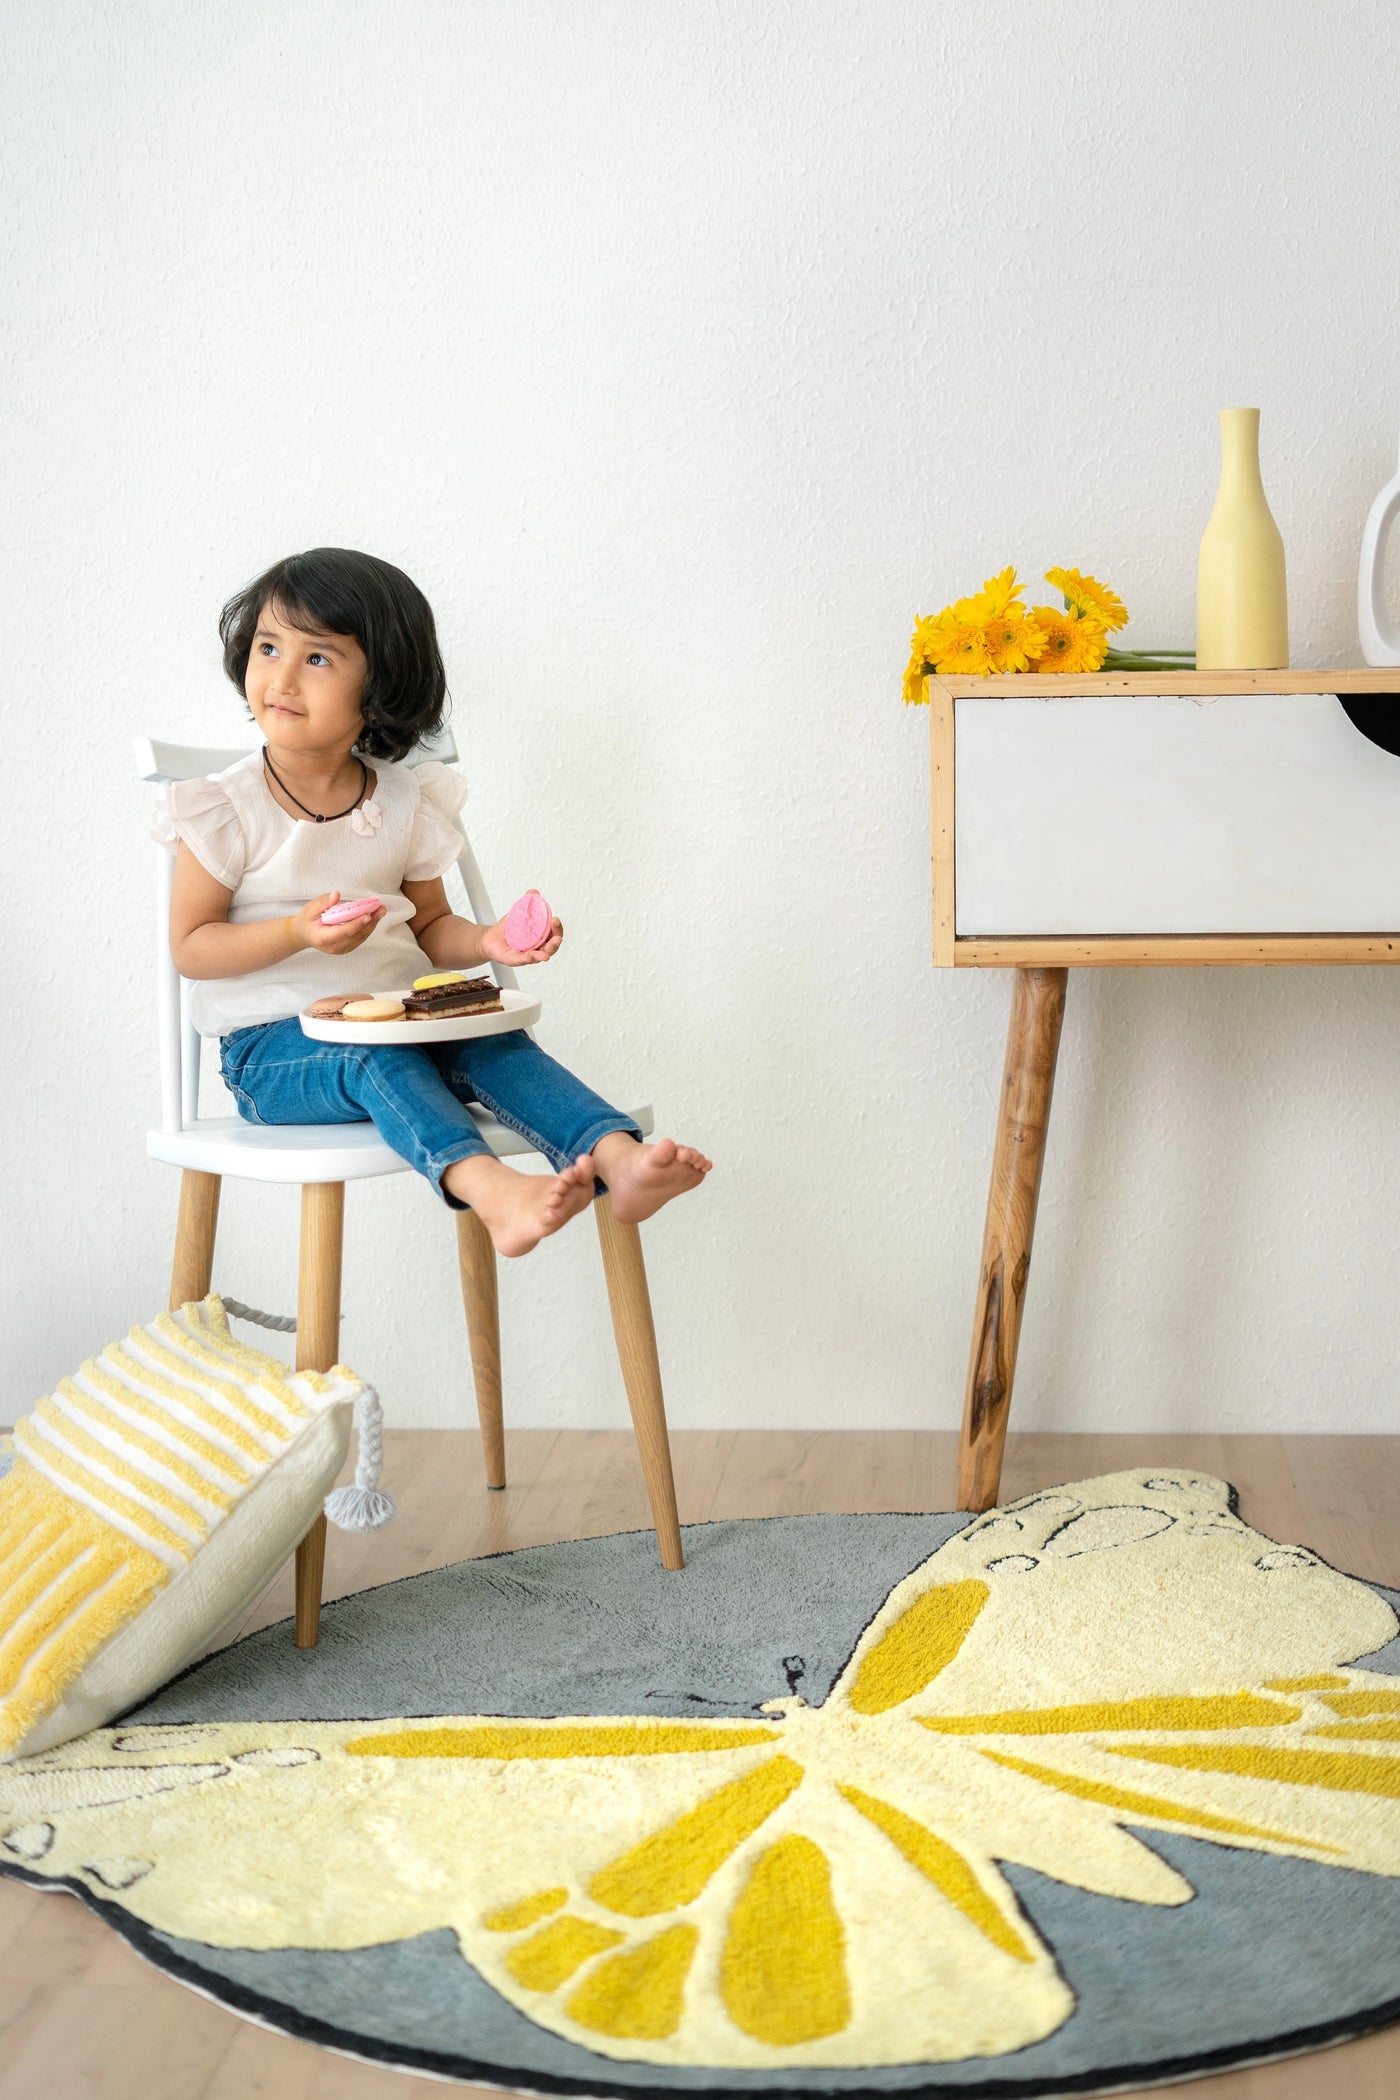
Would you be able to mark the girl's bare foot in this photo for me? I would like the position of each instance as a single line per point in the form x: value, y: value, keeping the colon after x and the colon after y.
x: 520, y: 1210
x: 641, y: 1178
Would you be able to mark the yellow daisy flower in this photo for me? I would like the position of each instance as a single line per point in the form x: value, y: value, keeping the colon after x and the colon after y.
x: 1088, y: 597
x: 1013, y: 640
x: 923, y: 654
x: 989, y: 631
x: 1071, y: 643
x: 963, y: 651
x: 996, y: 594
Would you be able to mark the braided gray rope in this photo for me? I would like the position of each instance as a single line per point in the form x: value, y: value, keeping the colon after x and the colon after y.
x: 365, y: 1506
x: 279, y: 1321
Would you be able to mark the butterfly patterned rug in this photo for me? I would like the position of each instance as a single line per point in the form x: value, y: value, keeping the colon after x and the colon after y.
x: 1098, y: 1790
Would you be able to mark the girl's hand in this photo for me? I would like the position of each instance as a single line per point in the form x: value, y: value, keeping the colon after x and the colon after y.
x: 307, y: 931
x: 496, y: 948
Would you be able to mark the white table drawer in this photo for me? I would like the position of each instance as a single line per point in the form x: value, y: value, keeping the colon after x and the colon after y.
x: 1166, y: 813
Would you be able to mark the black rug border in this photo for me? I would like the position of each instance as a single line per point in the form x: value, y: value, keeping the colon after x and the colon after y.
x: 273, y: 2013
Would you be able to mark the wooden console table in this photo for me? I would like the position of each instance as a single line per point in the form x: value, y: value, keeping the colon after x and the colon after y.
x: 1236, y: 817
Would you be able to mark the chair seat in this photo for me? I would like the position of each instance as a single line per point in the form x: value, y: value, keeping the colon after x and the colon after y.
x: 308, y: 1152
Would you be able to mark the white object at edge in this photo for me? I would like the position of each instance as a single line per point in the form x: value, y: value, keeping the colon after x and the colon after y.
x: 1380, y: 643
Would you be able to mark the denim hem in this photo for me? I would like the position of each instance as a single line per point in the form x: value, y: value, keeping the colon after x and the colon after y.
x: 434, y: 1166
x: 623, y: 1125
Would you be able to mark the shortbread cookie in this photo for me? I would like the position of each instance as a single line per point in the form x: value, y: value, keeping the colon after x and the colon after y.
x: 372, y: 1010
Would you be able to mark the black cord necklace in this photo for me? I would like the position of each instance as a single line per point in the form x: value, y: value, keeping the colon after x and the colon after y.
x: 364, y: 783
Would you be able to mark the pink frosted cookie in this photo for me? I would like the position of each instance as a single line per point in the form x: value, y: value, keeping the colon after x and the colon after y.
x: 528, y: 922
x: 341, y: 914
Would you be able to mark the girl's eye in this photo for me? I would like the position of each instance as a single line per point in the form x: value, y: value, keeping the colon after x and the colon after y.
x: 317, y: 658
x: 266, y: 649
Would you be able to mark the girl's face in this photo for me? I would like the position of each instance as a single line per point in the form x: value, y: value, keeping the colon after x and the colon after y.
x: 304, y: 688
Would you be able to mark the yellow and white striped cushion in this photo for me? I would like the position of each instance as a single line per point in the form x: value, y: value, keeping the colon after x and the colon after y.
x: 164, y: 1481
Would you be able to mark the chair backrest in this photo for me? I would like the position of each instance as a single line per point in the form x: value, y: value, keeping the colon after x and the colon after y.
x: 158, y: 763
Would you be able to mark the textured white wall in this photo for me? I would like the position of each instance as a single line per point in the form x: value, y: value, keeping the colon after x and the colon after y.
x: 684, y: 353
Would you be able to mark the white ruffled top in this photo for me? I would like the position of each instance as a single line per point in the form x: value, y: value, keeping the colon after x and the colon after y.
x: 274, y: 863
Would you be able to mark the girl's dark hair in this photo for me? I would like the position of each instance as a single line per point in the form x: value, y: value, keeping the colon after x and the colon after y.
x: 338, y: 591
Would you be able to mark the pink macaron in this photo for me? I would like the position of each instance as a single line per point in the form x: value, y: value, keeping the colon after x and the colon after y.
x: 528, y: 922
x: 341, y: 914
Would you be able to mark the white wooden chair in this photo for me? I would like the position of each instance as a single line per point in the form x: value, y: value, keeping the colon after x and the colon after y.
x: 321, y: 1158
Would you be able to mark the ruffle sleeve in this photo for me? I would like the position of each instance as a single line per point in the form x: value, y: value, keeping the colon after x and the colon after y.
x: 435, y: 841
x: 201, y: 812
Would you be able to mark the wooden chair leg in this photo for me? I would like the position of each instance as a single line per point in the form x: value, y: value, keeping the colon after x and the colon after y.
x: 318, y: 1347
x: 198, y: 1221
x: 476, y: 1259
x: 641, y: 1371
x: 1028, y: 1080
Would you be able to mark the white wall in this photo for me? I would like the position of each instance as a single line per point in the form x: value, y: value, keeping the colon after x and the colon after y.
x: 684, y: 353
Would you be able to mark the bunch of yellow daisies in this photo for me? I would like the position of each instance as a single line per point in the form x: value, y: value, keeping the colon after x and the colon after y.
x: 993, y: 632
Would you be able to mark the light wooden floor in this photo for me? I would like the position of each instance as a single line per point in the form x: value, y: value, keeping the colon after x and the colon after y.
x: 82, y: 2018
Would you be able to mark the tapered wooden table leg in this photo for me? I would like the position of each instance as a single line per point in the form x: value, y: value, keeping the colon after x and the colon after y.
x: 476, y: 1259
x: 318, y: 1347
x: 1028, y: 1080
x: 641, y: 1371
x: 198, y: 1221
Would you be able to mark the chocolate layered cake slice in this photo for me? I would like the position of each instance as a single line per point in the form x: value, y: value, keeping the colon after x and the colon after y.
x: 446, y: 1002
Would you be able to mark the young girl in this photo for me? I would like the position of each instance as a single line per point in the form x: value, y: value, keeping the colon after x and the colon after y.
x: 336, y: 654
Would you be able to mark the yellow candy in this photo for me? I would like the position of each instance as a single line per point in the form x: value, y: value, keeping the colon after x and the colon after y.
x: 425, y: 984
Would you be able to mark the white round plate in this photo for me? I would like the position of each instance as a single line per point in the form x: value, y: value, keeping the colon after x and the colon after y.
x: 520, y: 1010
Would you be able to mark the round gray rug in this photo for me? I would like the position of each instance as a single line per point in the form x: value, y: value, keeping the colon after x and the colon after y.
x: 1274, y: 1945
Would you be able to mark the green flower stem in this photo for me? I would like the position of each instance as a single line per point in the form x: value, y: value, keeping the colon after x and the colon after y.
x: 1150, y: 660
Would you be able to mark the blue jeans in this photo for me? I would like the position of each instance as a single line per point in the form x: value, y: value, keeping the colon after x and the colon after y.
x: 416, y: 1098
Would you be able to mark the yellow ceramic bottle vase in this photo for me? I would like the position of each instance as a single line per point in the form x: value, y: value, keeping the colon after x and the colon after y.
x: 1241, y: 591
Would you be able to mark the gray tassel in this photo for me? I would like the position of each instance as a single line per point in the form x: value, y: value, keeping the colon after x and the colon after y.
x: 365, y: 1506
